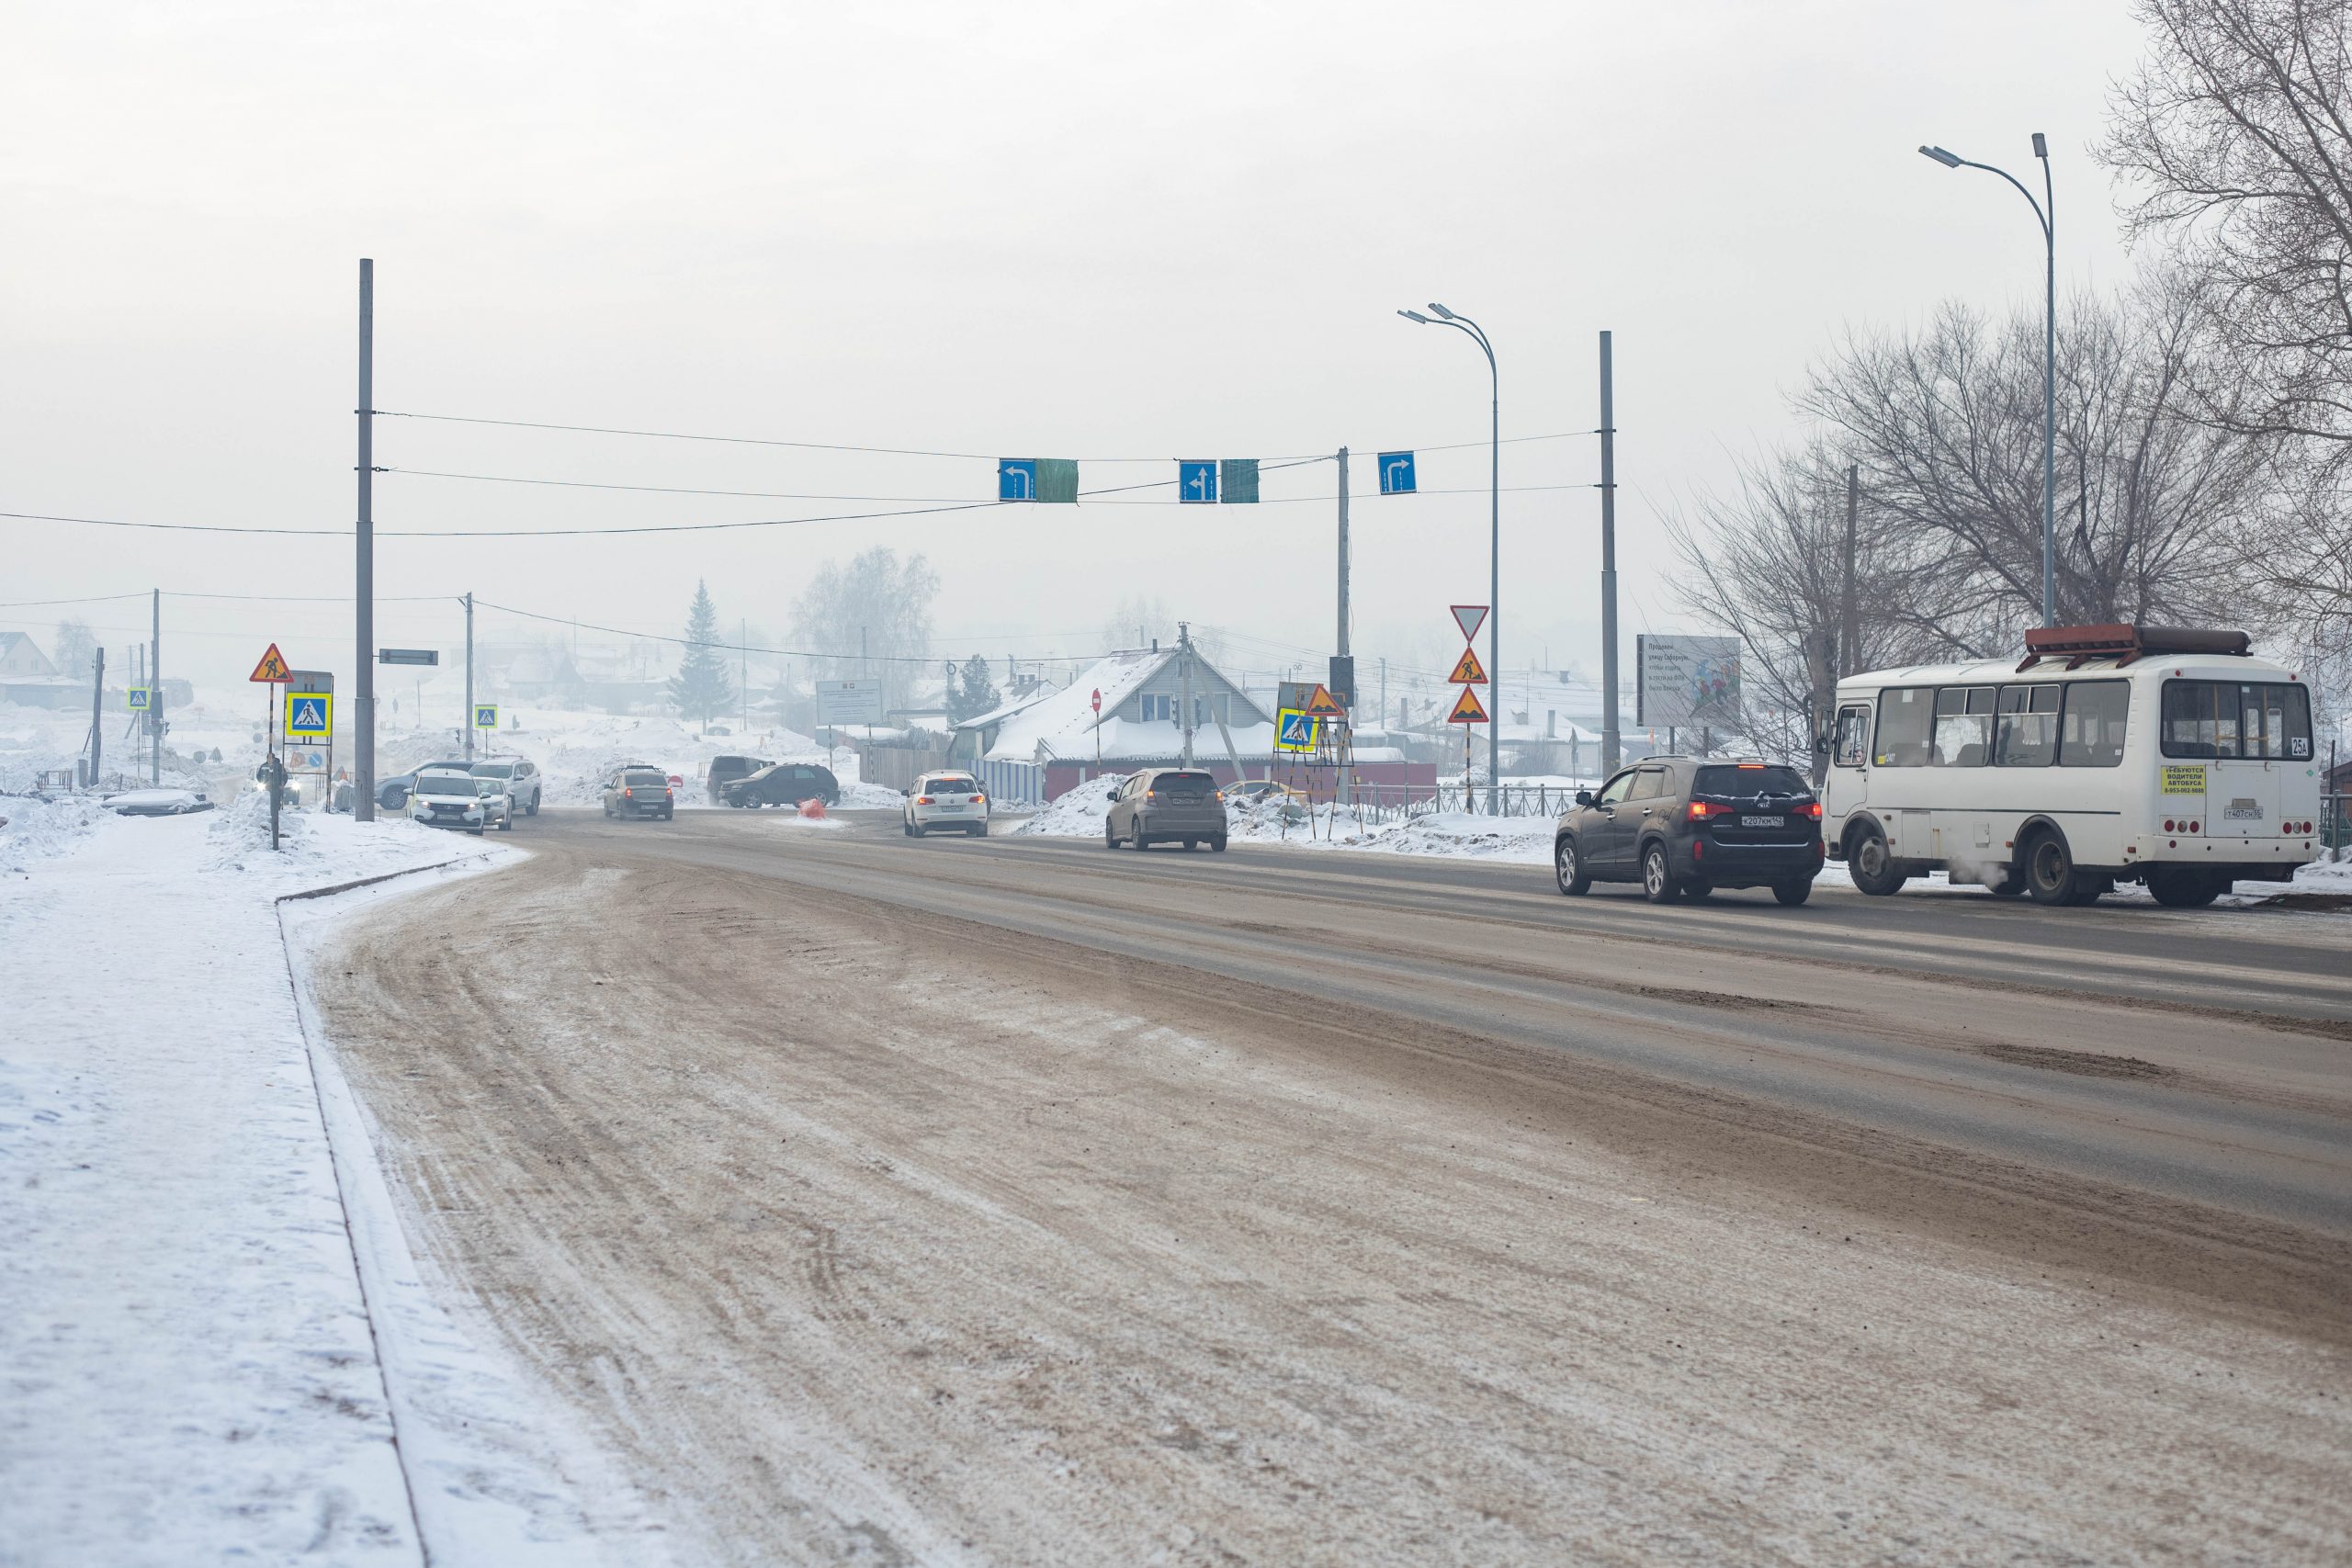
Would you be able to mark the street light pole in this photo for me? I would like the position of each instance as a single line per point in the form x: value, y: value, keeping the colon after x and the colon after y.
x: 2045, y: 212
x: 1494, y: 546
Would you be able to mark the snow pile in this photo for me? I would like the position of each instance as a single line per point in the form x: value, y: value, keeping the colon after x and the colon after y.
x: 240, y: 832
x: 1521, y: 840
x: 1076, y: 813
x: 39, y: 827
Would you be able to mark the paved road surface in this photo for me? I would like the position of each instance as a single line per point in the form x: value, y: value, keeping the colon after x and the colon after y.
x: 1023, y: 1200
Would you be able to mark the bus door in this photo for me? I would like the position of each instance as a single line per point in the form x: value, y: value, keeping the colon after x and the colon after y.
x: 1849, y: 756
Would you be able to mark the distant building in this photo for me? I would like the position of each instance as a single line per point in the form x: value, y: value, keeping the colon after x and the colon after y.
x: 20, y: 656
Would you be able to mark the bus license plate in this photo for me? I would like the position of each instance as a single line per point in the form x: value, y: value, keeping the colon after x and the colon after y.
x: 1763, y: 821
x: 2244, y: 810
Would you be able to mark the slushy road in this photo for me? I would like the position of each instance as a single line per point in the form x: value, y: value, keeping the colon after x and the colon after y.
x: 1021, y: 1200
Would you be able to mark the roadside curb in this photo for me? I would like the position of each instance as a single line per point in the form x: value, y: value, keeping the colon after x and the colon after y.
x: 333, y: 888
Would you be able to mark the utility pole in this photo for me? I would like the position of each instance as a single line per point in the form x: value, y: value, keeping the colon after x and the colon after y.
x: 1608, y: 733
x: 1849, y: 619
x: 97, y: 714
x: 363, y: 745
x: 470, y: 677
x: 1184, y: 678
x: 155, y: 697
x: 1342, y: 792
x: 744, y: 666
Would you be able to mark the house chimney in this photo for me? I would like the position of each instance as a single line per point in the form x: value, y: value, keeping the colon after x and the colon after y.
x: 1155, y: 645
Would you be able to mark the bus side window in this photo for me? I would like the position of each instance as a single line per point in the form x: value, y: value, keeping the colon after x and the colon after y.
x: 2090, y: 731
x: 1853, y: 735
x: 1963, y: 726
x: 1906, y: 717
x: 2028, y: 735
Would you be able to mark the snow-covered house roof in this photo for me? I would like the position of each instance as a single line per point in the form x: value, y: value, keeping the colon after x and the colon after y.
x: 1138, y: 720
x: 1011, y: 705
x: 19, y: 655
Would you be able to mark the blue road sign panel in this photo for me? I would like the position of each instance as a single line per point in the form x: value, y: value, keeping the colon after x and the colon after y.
x: 1296, y: 732
x: 1197, y: 480
x: 1016, y: 478
x: 485, y: 715
x: 1396, y: 473
x: 135, y: 698
x: 309, y: 713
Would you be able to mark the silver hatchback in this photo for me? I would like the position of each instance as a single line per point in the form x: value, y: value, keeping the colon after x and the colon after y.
x: 1160, y: 806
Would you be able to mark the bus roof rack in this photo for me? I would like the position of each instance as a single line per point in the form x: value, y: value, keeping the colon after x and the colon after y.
x: 2123, y: 643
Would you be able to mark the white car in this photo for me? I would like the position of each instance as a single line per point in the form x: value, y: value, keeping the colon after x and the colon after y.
x: 946, y: 801
x: 444, y: 798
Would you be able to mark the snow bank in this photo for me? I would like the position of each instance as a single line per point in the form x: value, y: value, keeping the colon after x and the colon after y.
x: 36, y: 828
x: 1076, y: 813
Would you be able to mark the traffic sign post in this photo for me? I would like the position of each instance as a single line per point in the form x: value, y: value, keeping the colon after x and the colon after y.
x: 272, y: 673
x: 1097, y: 731
x: 1469, y: 675
x: 485, y: 715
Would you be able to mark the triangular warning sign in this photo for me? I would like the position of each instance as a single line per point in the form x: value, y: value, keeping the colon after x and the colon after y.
x: 1469, y: 617
x: 271, y: 667
x: 1323, y: 705
x: 1467, y: 670
x: 1468, y: 709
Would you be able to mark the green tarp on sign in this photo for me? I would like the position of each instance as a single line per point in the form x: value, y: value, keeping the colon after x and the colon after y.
x: 1238, y: 482
x: 1058, y: 479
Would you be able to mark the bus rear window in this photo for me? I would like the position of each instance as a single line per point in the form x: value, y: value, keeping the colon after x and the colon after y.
x: 2222, y: 719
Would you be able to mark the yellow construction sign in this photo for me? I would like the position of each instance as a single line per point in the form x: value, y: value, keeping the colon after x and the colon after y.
x: 1468, y: 709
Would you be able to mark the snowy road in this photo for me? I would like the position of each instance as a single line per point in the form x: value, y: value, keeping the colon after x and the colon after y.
x: 1027, y: 1203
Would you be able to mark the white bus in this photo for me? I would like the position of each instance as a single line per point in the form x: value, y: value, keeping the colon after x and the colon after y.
x: 2110, y: 754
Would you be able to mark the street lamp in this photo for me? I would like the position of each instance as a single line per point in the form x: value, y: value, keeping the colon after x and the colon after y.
x: 1494, y: 548
x: 2045, y: 212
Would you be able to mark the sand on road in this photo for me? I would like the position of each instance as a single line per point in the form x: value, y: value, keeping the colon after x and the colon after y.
x: 866, y: 1234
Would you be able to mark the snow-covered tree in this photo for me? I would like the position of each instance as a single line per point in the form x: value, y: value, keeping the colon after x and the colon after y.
x: 700, y: 688
x: 970, y: 692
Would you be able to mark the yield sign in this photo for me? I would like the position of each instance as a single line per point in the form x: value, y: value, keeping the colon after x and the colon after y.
x: 1468, y: 709
x: 271, y: 667
x: 1469, y: 617
x: 1467, y: 670
x: 1321, y: 703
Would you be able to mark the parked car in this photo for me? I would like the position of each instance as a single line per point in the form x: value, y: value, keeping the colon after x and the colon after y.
x: 157, y: 803
x: 1683, y: 827
x: 725, y: 771
x: 784, y: 784
x: 1162, y: 806
x: 946, y: 801
x: 523, y: 781
x: 392, y: 794
x: 638, y: 789
x: 448, y: 797
x: 1259, y: 794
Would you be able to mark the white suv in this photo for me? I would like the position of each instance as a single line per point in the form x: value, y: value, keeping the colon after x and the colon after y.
x: 947, y: 800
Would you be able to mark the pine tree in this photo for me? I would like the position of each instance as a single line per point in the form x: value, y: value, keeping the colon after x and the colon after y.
x: 972, y: 692
x: 700, y: 689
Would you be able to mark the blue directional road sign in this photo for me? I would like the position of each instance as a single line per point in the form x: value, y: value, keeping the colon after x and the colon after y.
x: 485, y: 715
x: 1396, y: 473
x: 1197, y: 480
x: 1016, y: 478
x: 309, y: 713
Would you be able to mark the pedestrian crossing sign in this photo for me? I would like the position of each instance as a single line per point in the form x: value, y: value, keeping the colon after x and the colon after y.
x: 309, y: 713
x: 1296, y: 731
x: 485, y: 715
x: 135, y: 699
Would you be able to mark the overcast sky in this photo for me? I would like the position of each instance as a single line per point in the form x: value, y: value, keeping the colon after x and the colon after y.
x: 1100, y: 231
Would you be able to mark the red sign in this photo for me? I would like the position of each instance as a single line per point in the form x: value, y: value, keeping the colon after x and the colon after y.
x: 1098, y: 699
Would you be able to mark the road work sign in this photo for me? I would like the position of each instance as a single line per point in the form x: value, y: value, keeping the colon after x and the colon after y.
x: 310, y: 713
x: 135, y: 699
x: 1295, y: 731
x: 485, y: 715
x: 1468, y: 709
x: 272, y: 668
x: 1467, y: 670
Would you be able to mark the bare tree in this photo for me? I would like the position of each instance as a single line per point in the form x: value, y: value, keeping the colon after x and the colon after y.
x: 76, y: 647
x: 2152, y: 497
x: 2233, y: 135
x: 1138, y: 620
x: 871, y: 618
x: 1812, y: 590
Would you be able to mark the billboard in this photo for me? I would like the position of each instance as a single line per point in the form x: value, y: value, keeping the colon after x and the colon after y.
x: 1686, y: 679
x: 849, y: 702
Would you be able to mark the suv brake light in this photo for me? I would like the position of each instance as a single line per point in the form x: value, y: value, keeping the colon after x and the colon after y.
x: 1812, y: 810
x: 922, y: 800
x: 1703, y: 809
x: 627, y: 792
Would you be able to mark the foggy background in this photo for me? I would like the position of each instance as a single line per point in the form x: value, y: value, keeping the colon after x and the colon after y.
x: 1099, y: 233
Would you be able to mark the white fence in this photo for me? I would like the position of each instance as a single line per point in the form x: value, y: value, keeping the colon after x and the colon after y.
x: 1013, y: 784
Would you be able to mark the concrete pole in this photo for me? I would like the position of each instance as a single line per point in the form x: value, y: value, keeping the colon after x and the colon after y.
x: 470, y: 677
x: 363, y: 696
x: 1609, y: 749
x: 155, y: 697
x: 1184, y: 678
x: 1343, y: 791
x: 97, y: 714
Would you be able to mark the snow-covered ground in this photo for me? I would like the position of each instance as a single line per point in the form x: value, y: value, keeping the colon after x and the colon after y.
x: 193, y: 1372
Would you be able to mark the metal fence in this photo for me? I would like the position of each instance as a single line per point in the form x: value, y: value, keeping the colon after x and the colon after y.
x: 1013, y: 784
x: 1395, y: 803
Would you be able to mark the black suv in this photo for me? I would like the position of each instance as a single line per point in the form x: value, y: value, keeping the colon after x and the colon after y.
x: 784, y: 784
x: 725, y: 771
x: 1683, y: 827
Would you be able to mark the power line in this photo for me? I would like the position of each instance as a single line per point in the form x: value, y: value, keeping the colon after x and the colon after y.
x: 723, y: 646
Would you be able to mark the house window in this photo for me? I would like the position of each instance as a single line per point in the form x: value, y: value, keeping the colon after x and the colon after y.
x: 1158, y: 706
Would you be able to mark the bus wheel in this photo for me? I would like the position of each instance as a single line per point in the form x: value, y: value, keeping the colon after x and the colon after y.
x: 1870, y: 863
x: 2184, y: 887
x: 2050, y: 873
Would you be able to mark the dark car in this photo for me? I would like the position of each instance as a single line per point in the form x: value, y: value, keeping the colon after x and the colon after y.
x: 725, y: 771
x: 1162, y: 805
x: 632, y: 790
x: 1683, y: 827
x: 523, y: 781
x: 783, y: 783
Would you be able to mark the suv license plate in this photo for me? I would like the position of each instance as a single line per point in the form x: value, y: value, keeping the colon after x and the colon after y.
x: 1763, y: 821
